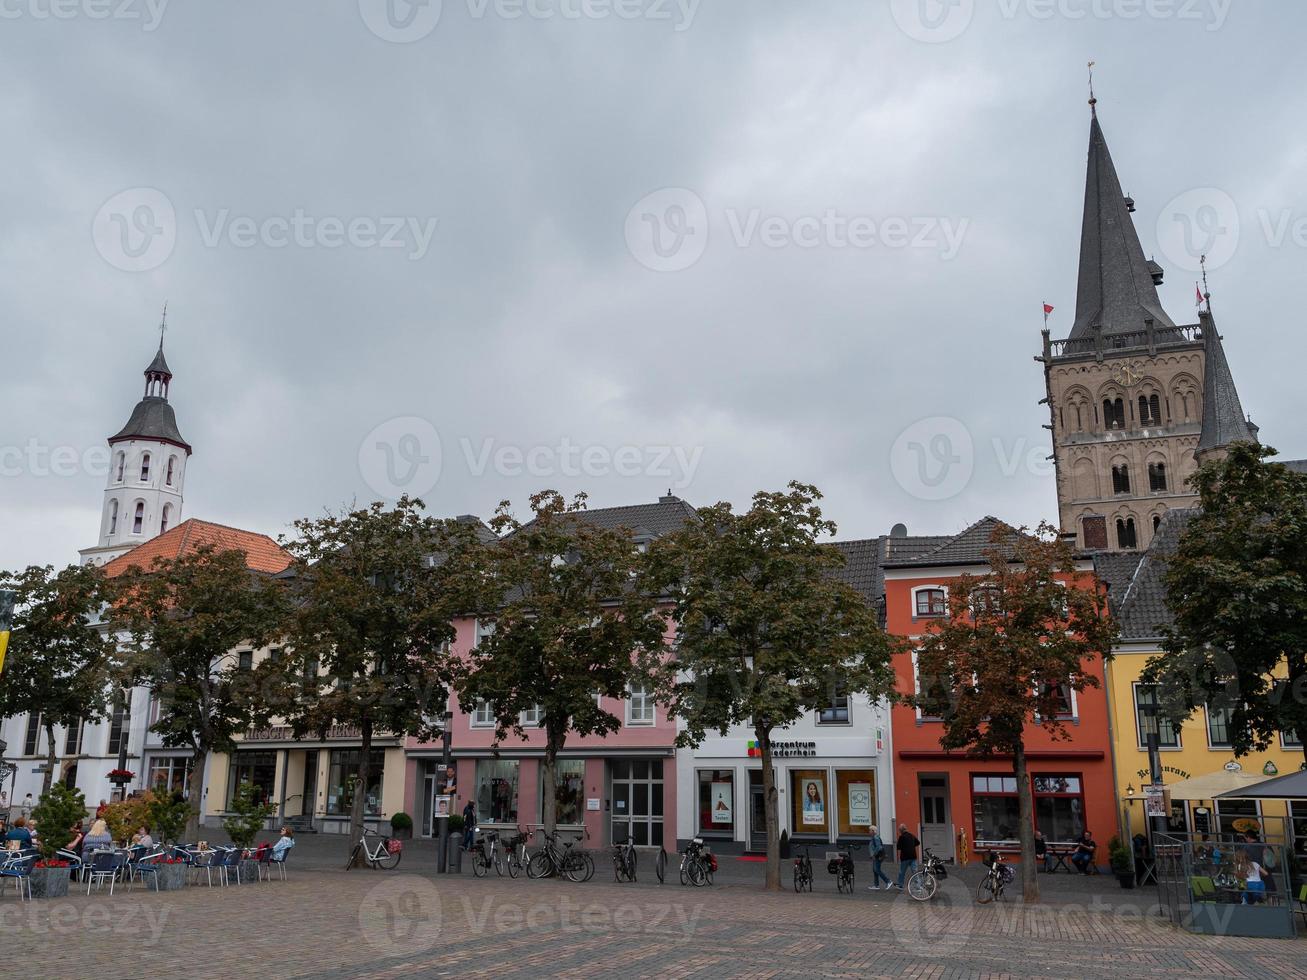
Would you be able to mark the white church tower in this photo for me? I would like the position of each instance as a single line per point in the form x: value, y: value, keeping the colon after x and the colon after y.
x: 147, y: 471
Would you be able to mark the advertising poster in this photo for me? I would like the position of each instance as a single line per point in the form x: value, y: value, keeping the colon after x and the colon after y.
x: 860, y: 804
x: 814, y: 802
x: 722, y: 803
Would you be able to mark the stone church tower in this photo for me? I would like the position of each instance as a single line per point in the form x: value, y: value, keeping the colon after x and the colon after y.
x: 1133, y: 397
x: 147, y: 470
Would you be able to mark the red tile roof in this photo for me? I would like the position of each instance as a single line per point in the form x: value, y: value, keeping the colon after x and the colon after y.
x: 261, y: 552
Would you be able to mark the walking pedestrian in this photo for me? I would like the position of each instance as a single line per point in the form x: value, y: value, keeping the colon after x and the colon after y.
x: 469, y: 825
x: 878, y: 855
x: 906, y: 846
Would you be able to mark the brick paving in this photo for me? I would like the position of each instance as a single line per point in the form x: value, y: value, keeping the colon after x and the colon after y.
x: 408, y: 922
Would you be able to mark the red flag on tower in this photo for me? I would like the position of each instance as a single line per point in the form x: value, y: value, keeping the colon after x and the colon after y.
x: 1199, y: 290
x: 1047, y: 309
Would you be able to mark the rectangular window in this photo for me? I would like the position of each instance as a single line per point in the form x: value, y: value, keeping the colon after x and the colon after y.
x: 343, y: 777
x: 856, y: 800
x: 1149, y: 718
x: 497, y: 791
x: 531, y: 717
x: 931, y: 602
x: 1059, y: 807
x: 569, y: 791
x: 245, y: 660
x: 259, y: 769
x: 169, y: 773
x: 484, y: 629
x: 1062, y: 698
x: 33, y: 734
x: 483, y: 715
x: 935, y: 689
x: 1236, y: 817
x: 717, y: 801
x: 809, y: 799
x: 640, y: 705
x: 837, y: 713
x: 73, y: 738
x: 1218, y: 727
x: 1290, y: 740
x: 120, y: 723
x: 995, y: 809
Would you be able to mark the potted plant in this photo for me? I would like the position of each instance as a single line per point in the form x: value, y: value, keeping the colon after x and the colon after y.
x: 401, y: 826
x: 1120, y: 859
x: 128, y: 816
x: 167, y: 816
x: 246, y: 820
x: 121, y: 777
x: 58, y: 811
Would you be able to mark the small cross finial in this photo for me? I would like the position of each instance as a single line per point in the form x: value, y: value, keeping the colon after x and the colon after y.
x: 1207, y: 293
x: 163, y: 324
x: 1093, y: 99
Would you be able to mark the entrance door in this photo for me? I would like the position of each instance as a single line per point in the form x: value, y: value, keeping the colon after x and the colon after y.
x: 308, y: 804
x: 757, y: 813
x: 936, y: 828
x: 637, y: 793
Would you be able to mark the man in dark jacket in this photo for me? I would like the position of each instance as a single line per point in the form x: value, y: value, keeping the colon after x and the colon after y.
x: 907, y: 851
x: 469, y: 825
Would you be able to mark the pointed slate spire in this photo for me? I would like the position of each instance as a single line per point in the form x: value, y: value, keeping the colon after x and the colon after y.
x: 1223, y: 419
x: 1117, y: 283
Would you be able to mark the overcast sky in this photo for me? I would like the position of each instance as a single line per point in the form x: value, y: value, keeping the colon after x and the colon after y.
x: 642, y: 243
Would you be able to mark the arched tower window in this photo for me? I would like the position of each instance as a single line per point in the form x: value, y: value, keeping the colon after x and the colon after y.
x: 120, y: 465
x: 138, y: 522
x: 1114, y: 413
x: 1157, y: 522
x: 145, y: 468
x: 113, y: 517
x: 1156, y: 477
x: 172, y: 466
x: 1121, y: 478
x: 167, y: 518
x: 1150, y: 410
x: 1126, y: 538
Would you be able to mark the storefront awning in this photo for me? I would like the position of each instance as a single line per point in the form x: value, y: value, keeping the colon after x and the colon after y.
x: 1212, y: 785
x: 1291, y: 786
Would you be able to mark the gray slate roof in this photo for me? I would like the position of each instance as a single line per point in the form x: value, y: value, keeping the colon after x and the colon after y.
x: 159, y: 365
x: 969, y: 547
x: 1138, y: 595
x: 1116, y: 283
x: 1223, y: 418
x: 152, y: 418
x: 1297, y: 465
x: 644, y: 520
x: 864, y: 568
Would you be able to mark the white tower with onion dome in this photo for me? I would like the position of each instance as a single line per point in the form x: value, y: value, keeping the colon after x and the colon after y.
x: 147, y: 470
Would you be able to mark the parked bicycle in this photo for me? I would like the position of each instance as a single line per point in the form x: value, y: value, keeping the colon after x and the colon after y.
x: 515, y: 855
x: 559, y: 858
x: 997, y: 877
x: 925, y: 880
x: 624, y: 861
x: 697, y: 864
x: 841, y: 866
x: 486, y: 853
x: 803, y: 871
x: 385, y: 854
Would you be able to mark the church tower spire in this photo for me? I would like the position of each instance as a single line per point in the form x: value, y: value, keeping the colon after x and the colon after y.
x: 147, y: 470
x: 1223, y: 419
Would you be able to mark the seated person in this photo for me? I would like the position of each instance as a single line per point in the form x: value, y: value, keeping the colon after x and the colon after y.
x: 1041, y: 850
x: 283, y: 844
x: 19, y: 834
x: 75, y: 843
x: 1083, y: 858
x: 98, y: 839
x: 142, y: 838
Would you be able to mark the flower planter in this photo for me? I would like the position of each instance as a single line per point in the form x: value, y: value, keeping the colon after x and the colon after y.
x: 171, y: 877
x: 50, y: 882
x: 1126, y: 879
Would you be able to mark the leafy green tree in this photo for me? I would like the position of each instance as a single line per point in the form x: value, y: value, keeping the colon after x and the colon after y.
x: 59, y: 659
x: 248, y: 812
x: 60, y: 807
x: 568, y: 623
x: 766, y: 632
x: 1237, y: 588
x: 182, y: 618
x: 167, y: 815
x: 374, y: 595
x: 1015, y: 642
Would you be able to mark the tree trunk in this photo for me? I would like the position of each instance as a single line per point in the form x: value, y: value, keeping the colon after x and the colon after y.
x: 1026, y: 827
x: 763, y: 736
x: 360, y: 786
x: 549, y: 787
x: 49, y: 759
x: 194, y: 796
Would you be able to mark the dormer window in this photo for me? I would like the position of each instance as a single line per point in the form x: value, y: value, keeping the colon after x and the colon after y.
x: 145, y: 468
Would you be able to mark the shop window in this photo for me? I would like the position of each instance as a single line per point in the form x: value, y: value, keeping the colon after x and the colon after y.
x: 995, y: 808
x: 343, y: 777
x: 1059, y: 807
x: 856, y: 801
x: 809, y: 798
x: 717, y: 801
x: 259, y: 769
x: 569, y: 791
x: 497, y: 790
x: 1149, y: 718
x: 1238, y: 817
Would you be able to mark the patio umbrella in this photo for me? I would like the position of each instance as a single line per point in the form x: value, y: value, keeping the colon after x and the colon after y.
x: 1215, y: 785
x: 1291, y: 786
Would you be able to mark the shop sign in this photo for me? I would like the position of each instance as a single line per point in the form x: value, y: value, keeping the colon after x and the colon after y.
x: 860, y: 803
x: 785, y: 750
x: 1233, y: 767
x: 591, y: 804
x: 1145, y: 774
x: 1270, y: 769
x: 284, y: 733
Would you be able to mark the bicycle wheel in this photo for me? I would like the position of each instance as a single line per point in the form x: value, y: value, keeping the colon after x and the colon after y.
x: 539, y: 866
x: 514, y: 865
x: 574, y: 869
x: 798, y: 879
x: 660, y: 865
x: 697, y: 876
x: 685, y: 874
x: 985, y: 890
x: 480, y: 864
x: 353, y: 857
x: 922, y: 886
x: 499, y: 862
x: 630, y: 867
x: 387, y: 859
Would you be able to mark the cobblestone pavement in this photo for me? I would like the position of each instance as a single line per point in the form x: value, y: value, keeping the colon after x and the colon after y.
x: 407, y: 922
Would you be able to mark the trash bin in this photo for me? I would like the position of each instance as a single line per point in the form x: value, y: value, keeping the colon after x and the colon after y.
x: 454, y: 854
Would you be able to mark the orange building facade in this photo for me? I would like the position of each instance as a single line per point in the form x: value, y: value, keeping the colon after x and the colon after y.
x: 942, y: 795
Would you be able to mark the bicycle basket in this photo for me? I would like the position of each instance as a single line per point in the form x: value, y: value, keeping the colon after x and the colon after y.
x: 394, y: 846
x: 833, y: 866
x: 1007, y: 874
